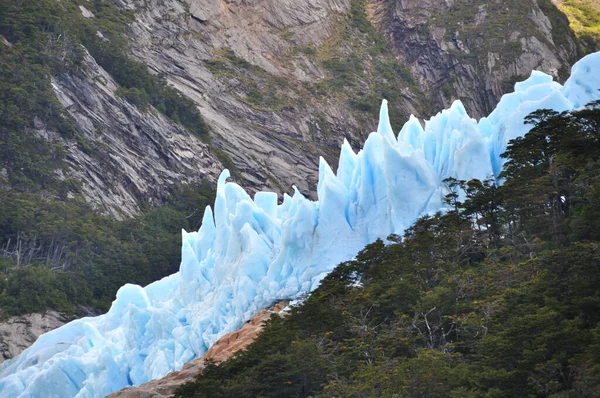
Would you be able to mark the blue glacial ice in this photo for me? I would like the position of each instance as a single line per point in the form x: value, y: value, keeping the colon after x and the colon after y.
x: 251, y: 252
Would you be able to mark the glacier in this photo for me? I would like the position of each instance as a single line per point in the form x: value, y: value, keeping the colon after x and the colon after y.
x: 251, y: 252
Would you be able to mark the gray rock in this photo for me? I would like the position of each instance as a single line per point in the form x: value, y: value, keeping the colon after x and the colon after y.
x: 133, y: 156
x: 130, y: 157
x: 19, y: 332
x: 477, y: 62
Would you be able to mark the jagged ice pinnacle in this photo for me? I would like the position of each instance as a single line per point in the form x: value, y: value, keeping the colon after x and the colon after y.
x: 251, y: 252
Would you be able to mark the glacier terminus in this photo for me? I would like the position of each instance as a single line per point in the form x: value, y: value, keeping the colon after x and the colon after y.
x: 252, y: 252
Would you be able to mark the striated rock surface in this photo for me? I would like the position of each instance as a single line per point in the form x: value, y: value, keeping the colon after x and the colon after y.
x: 19, y: 332
x: 222, y: 350
x: 475, y: 50
x: 275, y: 142
x: 129, y: 157
x: 282, y: 82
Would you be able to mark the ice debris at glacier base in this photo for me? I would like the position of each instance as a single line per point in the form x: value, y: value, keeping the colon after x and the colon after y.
x: 250, y: 253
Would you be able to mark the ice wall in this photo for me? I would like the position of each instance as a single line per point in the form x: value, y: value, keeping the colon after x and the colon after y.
x: 251, y: 252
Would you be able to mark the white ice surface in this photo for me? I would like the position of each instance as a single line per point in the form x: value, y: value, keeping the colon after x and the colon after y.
x: 251, y: 252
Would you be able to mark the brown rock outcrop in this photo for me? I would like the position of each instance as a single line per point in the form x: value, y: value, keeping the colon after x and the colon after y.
x: 222, y: 350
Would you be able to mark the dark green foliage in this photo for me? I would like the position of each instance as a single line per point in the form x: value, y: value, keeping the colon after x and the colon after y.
x: 34, y: 289
x: 552, y: 172
x: 496, y: 298
x: 59, y: 253
x: 135, y: 96
x: 227, y: 162
x: 39, y: 46
x: 55, y: 251
x: 191, y: 200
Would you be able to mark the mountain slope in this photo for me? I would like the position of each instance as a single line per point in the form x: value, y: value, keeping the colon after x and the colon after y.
x: 584, y: 18
x: 296, y: 78
x: 476, y: 50
x: 278, y: 83
x: 253, y: 252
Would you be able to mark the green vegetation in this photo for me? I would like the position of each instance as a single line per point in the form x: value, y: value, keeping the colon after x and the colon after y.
x: 362, y: 69
x: 584, y: 18
x: 489, y: 27
x: 34, y: 49
x: 60, y: 253
x: 56, y: 251
x: 496, y: 298
x: 262, y: 90
x: 227, y: 162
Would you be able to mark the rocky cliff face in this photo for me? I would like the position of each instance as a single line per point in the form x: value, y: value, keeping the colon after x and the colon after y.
x: 252, y: 67
x: 124, y: 157
x: 19, y: 332
x: 476, y: 50
x: 282, y: 82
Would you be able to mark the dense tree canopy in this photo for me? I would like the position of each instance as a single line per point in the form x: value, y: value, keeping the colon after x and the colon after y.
x: 57, y: 254
x: 498, y: 297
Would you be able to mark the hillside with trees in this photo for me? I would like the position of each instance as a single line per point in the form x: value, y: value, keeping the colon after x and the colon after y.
x: 497, y: 297
x: 57, y: 251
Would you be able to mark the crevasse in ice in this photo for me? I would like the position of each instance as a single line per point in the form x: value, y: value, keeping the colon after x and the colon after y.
x: 251, y: 252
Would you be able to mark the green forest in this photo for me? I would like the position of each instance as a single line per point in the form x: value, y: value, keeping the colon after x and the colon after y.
x: 56, y: 251
x: 58, y: 254
x: 497, y: 297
